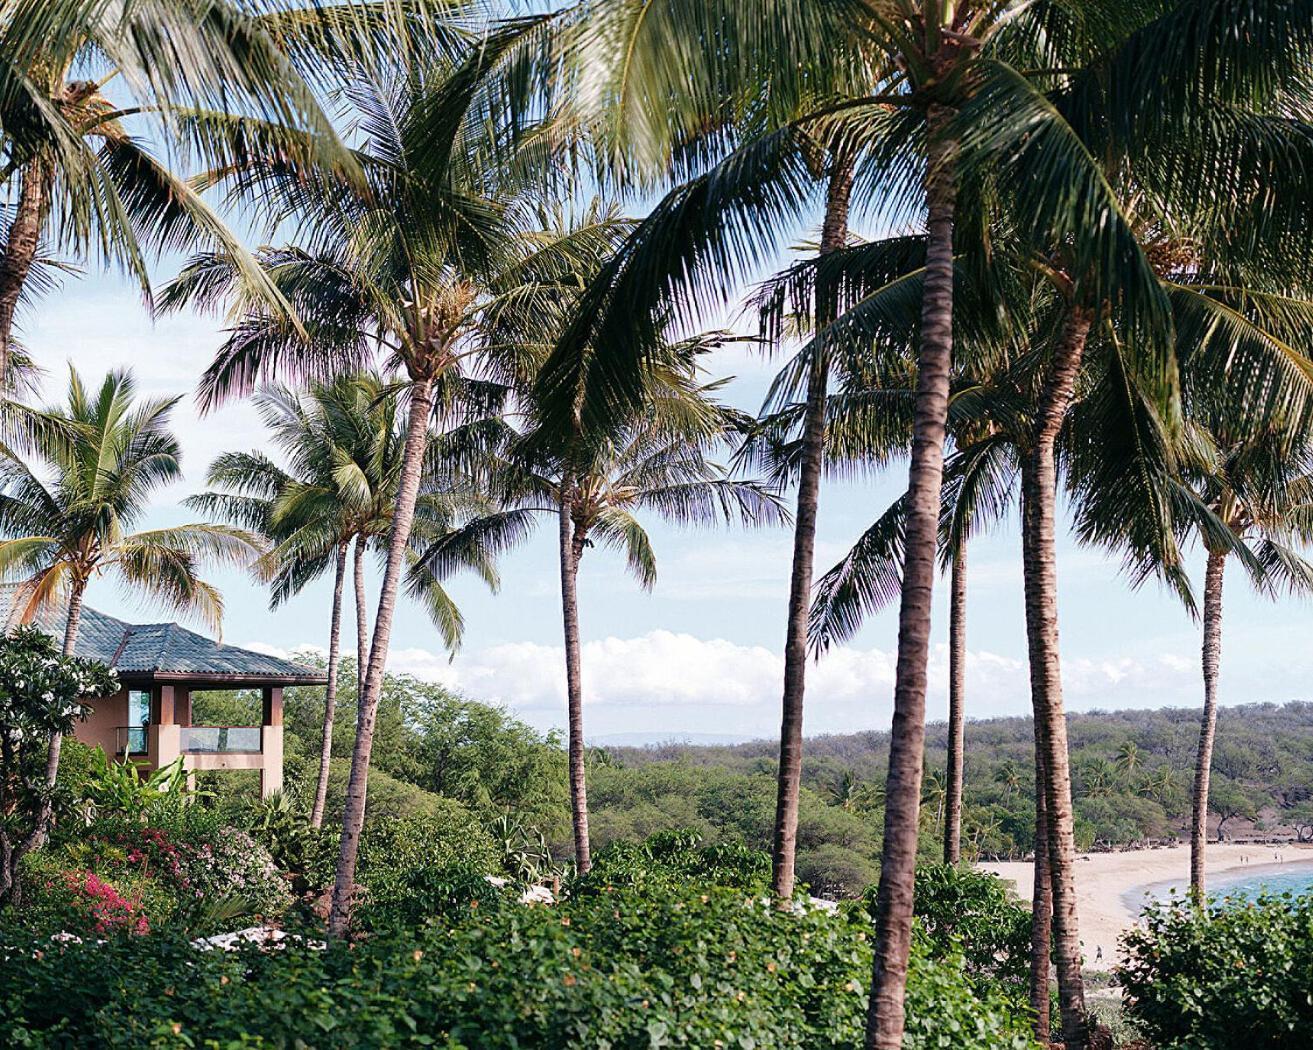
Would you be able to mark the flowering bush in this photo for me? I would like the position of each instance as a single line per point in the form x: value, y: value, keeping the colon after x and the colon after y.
x: 41, y: 694
x: 229, y: 866
x: 107, y: 910
x: 88, y: 903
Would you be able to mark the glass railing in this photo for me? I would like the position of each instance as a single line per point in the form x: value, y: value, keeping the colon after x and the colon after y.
x: 220, y: 739
x: 131, y: 740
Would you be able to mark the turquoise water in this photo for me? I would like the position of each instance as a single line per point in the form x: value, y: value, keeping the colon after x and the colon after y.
x: 1297, y: 880
x: 1293, y: 877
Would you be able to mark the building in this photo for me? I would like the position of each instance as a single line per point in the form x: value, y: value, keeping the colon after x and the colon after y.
x: 161, y: 667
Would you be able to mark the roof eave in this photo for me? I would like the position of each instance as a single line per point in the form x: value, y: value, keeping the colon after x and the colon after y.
x: 226, y: 679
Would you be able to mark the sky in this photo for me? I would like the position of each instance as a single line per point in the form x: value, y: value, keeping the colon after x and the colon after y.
x: 699, y: 657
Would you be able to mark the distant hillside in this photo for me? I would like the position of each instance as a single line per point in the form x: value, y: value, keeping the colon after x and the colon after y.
x: 1132, y: 774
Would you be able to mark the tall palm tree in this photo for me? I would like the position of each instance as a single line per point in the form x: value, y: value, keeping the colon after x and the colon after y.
x: 67, y: 517
x: 834, y: 233
x: 926, y: 60
x: 420, y: 268
x: 1258, y: 482
x: 596, y: 486
x: 1129, y: 758
x: 344, y: 449
x: 80, y: 164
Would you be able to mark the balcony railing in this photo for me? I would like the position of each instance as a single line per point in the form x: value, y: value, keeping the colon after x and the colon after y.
x: 221, y: 739
x: 131, y: 740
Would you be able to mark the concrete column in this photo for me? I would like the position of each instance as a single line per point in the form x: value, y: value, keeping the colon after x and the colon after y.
x: 163, y: 743
x: 271, y: 755
x: 167, y: 707
x: 272, y: 704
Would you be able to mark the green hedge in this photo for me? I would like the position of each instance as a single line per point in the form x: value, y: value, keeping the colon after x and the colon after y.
x: 1235, y: 976
x: 617, y: 970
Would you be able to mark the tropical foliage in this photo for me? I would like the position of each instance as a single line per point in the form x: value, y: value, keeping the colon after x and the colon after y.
x: 1094, y: 287
x: 41, y: 699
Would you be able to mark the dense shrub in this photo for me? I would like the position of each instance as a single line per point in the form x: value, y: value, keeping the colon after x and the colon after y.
x: 1234, y: 976
x: 977, y: 915
x: 430, y: 894
x: 409, y: 865
x: 305, y: 854
x: 836, y: 848
x: 674, y: 858
x: 622, y: 970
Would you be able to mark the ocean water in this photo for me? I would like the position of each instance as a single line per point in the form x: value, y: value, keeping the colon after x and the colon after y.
x: 1292, y: 877
x: 1298, y: 879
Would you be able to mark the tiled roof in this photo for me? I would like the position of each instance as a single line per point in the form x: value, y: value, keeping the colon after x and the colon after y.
x: 159, y: 648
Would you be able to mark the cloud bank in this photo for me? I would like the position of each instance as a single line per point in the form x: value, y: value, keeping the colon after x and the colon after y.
x: 665, y: 682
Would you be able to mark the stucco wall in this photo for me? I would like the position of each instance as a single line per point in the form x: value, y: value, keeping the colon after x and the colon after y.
x: 101, y: 726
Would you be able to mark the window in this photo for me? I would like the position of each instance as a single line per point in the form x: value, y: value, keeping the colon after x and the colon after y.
x: 134, y: 735
x: 138, y: 707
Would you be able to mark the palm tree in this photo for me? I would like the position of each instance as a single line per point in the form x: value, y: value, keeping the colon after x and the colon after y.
x: 934, y: 794
x: 421, y: 268
x: 1098, y: 776
x: 344, y: 450
x: 1129, y: 758
x: 77, y: 169
x: 1008, y: 777
x: 1258, y: 482
x: 853, y: 795
x: 834, y: 232
x: 595, y: 487
x: 67, y: 519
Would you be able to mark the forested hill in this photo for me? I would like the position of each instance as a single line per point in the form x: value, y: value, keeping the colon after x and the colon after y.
x: 1132, y: 776
x: 1132, y: 772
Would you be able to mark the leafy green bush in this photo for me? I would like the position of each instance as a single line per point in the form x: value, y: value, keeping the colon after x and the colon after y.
x: 306, y: 854
x: 626, y: 969
x: 408, y: 865
x: 674, y: 858
x: 430, y: 894
x: 977, y: 915
x: 1233, y: 976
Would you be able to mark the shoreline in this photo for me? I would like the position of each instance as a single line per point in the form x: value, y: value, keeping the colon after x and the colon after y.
x: 1111, y: 888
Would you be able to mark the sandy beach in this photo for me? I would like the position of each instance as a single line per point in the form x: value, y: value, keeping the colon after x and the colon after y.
x: 1110, y: 886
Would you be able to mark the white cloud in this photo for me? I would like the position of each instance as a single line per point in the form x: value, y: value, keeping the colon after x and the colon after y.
x: 665, y: 681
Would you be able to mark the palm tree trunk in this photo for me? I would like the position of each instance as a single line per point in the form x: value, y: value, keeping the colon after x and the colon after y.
x: 1041, y: 906
x: 330, y: 690
x: 74, y: 620
x: 353, y: 815
x: 573, y: 679
x: 834, y: 233
x: 1039, y: 495
x: 893, y: 919
x: 20, y: 249
x: 1212, y: 657
x: 36, y: 838
x: 362, y: 618
x: 957, y: 676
